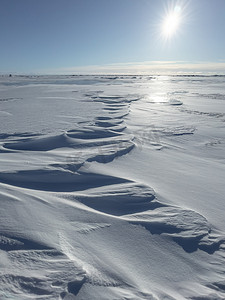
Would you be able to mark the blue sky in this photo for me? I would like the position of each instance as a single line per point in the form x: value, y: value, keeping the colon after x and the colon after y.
x: 110, y: 36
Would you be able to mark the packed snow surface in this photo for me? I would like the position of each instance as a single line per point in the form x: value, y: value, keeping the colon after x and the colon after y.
x: 112, y: 187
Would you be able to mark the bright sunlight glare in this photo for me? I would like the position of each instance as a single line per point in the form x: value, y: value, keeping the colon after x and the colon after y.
x: 171, y: 22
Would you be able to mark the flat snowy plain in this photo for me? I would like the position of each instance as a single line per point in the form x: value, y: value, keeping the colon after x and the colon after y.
x: 112, y: 187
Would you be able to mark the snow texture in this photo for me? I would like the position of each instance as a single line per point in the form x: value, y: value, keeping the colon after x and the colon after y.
x: 112, y: 187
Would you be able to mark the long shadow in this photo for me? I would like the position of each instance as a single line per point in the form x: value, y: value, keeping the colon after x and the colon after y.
x: 190, y: 244
x: 58, y: 181
x: 8, y: 243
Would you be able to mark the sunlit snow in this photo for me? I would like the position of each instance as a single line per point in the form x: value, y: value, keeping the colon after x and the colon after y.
x: 112, y: 187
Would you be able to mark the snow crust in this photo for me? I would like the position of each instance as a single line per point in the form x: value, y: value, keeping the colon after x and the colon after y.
x: 112, y: 187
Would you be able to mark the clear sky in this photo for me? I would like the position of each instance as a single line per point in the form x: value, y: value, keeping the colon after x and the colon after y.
x: 67, y: 36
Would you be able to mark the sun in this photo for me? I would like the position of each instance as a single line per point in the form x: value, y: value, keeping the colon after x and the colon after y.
x: 171, y: 22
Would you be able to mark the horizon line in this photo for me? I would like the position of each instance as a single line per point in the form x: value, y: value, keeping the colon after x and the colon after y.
x: 133, y: 68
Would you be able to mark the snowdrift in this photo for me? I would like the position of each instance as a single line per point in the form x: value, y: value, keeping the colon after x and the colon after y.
x: 112, y: 187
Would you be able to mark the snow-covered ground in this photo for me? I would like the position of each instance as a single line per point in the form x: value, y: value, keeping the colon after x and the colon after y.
x: 112, y: 187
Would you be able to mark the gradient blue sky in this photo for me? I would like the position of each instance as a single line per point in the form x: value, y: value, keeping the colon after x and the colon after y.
x: 70, y: 36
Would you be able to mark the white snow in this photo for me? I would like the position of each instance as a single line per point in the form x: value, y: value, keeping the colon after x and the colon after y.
x: 112, y: 187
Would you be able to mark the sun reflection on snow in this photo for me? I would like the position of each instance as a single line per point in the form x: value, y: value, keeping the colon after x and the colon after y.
x: 157, y: 98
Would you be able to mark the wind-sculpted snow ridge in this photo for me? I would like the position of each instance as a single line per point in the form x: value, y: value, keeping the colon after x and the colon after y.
x: 138, y: 204
x: 71, y: 262
x: 209, y: 114
x: 82, y: 219
x: 102, y: 141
